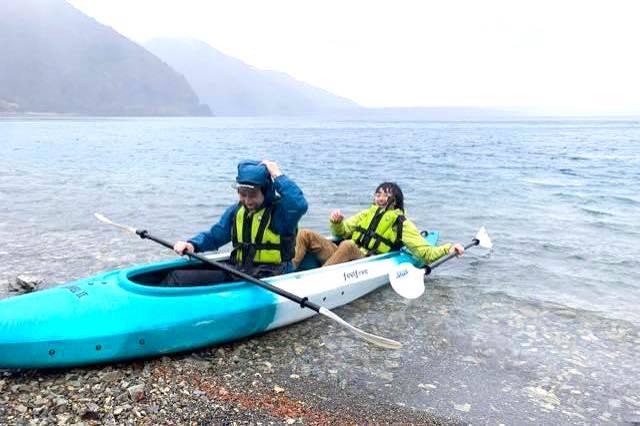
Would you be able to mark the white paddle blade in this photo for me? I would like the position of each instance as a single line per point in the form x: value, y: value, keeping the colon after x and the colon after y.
x: 407, y: 281
x: 104, y: 219
x: 484, y: 239
x: 383, y: 342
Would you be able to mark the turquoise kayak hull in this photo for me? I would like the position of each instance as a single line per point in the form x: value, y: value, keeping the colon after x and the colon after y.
x: 110, y: 317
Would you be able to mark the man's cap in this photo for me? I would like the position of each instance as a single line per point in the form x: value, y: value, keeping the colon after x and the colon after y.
x: 252, y: 173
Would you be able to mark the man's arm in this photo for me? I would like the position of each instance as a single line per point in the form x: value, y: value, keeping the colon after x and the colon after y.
x: 218, y: 235
x: 291, y: 208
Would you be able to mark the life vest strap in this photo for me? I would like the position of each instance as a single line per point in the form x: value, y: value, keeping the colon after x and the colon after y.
x: 366, y: 235
x: 249, y: 249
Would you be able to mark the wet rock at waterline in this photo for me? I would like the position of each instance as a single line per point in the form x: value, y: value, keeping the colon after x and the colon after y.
x: 26, y: 283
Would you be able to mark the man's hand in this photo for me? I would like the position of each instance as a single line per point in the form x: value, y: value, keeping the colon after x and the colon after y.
x: 273, y: 168
x: 181, y: 247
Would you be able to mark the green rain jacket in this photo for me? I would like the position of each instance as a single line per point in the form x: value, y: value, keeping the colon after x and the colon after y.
x: 411, y: 238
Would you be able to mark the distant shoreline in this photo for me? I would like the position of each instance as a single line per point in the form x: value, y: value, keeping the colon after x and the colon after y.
x: 359, y: 116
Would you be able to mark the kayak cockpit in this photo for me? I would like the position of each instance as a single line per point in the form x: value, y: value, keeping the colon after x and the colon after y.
x: 161, y: 276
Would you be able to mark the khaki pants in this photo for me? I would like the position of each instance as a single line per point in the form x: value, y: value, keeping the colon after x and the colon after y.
x: 327, y: 252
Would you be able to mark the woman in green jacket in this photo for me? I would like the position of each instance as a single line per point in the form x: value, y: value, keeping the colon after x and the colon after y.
x: 379, y: 229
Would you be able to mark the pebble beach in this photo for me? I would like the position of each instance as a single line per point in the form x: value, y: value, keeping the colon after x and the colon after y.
x: 506, y: 362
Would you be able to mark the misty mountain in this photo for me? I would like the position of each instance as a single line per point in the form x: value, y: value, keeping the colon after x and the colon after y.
x: 56, y: 59
x: 232, y: 87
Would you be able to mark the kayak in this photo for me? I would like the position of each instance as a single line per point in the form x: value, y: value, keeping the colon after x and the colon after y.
x: 124, y: 314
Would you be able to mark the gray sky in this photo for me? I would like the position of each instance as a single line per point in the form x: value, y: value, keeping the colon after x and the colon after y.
x: 556, y: 57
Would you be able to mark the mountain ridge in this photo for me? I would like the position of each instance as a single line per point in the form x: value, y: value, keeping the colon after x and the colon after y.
x: 232, y: 87
x: 56, y: 59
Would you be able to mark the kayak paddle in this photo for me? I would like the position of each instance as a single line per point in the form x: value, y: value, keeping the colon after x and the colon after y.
x: 408, y: 281
x: 302, y: 301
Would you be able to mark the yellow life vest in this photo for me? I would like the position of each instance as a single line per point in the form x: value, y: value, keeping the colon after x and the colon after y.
x: 254, y: 242
x: 379, y: 231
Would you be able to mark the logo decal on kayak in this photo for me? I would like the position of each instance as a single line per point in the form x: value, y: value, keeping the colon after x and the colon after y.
x: 402, y: 274
x: 80, y: 293
x: 355, y: 274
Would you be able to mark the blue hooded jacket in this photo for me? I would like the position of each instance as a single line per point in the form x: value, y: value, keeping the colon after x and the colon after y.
x: 287, y: 212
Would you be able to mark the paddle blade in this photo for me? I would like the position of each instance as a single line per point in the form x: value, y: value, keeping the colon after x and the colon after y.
x: 102, y: 219
x: 407, y: 281
x: 483, y: 237
x: 383, y: 342
x: 106, y: 220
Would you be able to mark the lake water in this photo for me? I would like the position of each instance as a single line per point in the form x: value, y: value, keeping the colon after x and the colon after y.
x: 560, y: 200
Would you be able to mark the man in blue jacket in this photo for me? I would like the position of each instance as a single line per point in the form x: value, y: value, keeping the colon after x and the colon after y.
x: 262, y: 227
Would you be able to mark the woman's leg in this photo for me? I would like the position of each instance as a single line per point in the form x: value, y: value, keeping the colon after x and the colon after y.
x: 312, y: 242
x: 347, y: 250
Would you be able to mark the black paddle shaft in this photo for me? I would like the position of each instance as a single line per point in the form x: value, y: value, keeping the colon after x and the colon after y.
x: 302, y: 301
x: 439, y: 262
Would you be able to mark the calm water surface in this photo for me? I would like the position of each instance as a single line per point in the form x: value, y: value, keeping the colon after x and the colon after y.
x: 557, y: 298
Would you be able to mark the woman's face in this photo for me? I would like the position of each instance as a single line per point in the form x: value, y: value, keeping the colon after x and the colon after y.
x: 381, y: 198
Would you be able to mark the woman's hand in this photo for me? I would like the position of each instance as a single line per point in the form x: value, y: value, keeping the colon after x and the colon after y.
x: 457, y: 249
x: 336, y: 216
